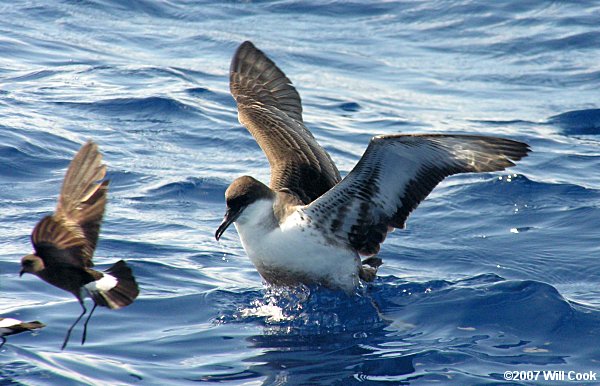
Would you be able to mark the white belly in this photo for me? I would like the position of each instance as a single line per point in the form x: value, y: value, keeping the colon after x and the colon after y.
x: 295, y: 252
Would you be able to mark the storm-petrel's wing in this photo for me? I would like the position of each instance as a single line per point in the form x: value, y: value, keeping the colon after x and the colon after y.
x: 71, y: 233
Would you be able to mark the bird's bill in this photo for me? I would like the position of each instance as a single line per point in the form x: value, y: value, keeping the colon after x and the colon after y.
x: 21, y: 272
x: 230, y: 217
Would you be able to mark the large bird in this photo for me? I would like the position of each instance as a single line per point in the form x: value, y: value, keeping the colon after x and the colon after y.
x: 310, y: 225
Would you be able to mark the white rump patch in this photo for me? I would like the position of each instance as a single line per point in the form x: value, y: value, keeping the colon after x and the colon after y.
x: 8, y: 322
x: 105, y: 284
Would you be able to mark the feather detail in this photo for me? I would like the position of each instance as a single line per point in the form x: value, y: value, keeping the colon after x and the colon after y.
x: 270, y: 108
x: 115, y: 288
x: 395, y: 174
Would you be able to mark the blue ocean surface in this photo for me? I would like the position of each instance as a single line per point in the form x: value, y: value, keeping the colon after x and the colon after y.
x: 495, y: 273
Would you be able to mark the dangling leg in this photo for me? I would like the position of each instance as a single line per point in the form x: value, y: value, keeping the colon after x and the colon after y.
x: 3, y: 341
x: 73, y: 325
x: 85, y: 324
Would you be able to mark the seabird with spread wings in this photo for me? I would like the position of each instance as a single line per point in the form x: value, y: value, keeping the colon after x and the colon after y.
x: 64, y: 242
x: 310, y: 225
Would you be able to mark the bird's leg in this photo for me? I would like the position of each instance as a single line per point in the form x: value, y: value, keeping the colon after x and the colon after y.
x: 3, y: 341
x: 73, y: 325
x: 86, y: 323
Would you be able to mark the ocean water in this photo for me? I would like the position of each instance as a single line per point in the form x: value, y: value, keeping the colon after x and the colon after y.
x: 496, y: 272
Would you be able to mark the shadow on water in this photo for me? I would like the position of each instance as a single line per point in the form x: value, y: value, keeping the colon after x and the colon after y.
x: 407, y: 332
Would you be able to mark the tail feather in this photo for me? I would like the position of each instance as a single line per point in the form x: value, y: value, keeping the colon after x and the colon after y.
x: 125, y: 291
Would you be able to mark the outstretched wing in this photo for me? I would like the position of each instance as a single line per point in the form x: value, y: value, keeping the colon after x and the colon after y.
x: 395, y: 174
x: 270, y: 108
x: 72, y: 231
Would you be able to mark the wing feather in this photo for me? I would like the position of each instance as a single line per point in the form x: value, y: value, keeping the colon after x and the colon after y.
x: 395, y: 174
x: 270, y: 108
x: 71, y: 233
x: 81, y: 179
x: 58, y: 242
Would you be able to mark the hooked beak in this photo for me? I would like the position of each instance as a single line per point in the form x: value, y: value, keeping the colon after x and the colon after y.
x: 21, y: 273
x: 230, y: 216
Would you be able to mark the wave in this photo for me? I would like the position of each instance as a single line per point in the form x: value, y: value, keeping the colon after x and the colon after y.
x: 152, y: 108
x: 485, y: 318
x: 478, y: 302
x: 192, y: 189
x: 578, y: 122
x: 28, y: 160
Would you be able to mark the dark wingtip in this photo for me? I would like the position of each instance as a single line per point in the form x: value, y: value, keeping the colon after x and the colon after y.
x: 240, y: 53
x: 520, y: 149
x: 247, y: 44
x: 513, y: 151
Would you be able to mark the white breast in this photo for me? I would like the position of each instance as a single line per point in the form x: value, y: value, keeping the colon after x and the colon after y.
x: 294, y: 251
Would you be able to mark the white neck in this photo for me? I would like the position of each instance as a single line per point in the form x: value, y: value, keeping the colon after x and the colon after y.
x: 259, y: 214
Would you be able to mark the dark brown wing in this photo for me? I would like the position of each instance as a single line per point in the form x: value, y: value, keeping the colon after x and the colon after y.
x: 270, y: 108
x: 59, y: 242
x: 395, y: 174
x: 72, y: 232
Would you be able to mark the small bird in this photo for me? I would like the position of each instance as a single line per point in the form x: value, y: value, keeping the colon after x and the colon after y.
x: 64, y: 242
x: 310, y: 226
x: 9, y: 326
